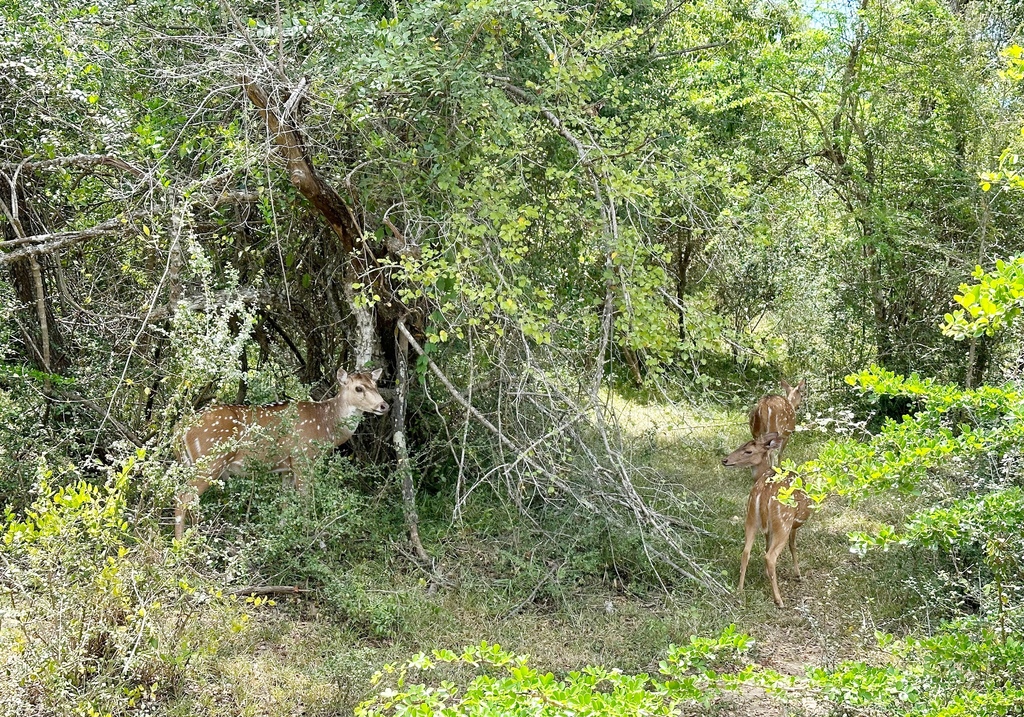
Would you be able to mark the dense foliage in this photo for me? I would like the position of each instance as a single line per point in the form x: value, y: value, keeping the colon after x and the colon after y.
x: 541, y: 207
x: 691, y: 675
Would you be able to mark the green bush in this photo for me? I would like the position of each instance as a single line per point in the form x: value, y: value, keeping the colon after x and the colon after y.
x: 317, y: 539
x: 962, y: 670
x: 958, y: 454
x: 504, y: 683
x: 100, y: 620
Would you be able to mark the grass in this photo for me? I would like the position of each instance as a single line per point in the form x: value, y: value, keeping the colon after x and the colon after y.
x: 505, y: 585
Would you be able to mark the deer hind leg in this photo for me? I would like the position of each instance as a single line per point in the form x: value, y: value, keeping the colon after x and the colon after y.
x: 792, y: 550
x: 771, y: 559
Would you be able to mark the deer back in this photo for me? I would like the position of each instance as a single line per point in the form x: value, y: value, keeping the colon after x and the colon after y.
x: 769, y: 513
x: 773, y: 414
x: 279, y: 431
x: 225, y: 430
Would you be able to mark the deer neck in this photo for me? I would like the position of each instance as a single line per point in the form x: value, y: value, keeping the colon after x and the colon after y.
x: 762, y: 471
x: 341, y: 414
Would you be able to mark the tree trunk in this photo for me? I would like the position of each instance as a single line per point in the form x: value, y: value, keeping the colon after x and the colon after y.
x: 286, y: 134
x: 28, y: 276
x: 684, y: 254
x: 404, y: 467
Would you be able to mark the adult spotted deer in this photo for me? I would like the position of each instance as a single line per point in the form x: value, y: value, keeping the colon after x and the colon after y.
x: 777, y: 414
x: 765, y: 513
x: 225, y: 437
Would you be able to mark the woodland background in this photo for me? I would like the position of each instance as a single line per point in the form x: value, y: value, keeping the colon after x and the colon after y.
x: 580, y: 240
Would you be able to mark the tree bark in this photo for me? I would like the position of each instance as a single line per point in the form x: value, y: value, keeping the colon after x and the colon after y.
x: 404, y: 467
x: 305, y: 178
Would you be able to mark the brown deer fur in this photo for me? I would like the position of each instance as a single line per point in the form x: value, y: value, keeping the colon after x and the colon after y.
x: 225, y: 437
x: 765, y: 513
x: 777, y: 414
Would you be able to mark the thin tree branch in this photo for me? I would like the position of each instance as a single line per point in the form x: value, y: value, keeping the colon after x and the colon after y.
x: 267, y: 590
x: 49, y: 243
x: 84, y: 161
x: 404, y: 467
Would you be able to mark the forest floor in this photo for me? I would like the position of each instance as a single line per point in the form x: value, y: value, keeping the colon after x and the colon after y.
x: 293, y: 662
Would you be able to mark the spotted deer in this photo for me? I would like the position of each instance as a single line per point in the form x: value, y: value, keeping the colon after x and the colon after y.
x: 225, y: 437
x: 777, y: 414
x: 777, y: 521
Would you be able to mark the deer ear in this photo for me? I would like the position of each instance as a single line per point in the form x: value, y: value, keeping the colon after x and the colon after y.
x: 802, y: 386
x: 785, y: 386
x: 342, y: 377
x: 375, y: 374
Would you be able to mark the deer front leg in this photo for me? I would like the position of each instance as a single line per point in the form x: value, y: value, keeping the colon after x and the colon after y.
x: 293, y: 470
x: 750, y: 527
x: 751, y: 535
x: 289, y: 476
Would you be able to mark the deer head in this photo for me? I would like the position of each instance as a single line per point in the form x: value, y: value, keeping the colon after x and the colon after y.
x: 795, y: 396
x: 358, y: 391
x: 753, y: 453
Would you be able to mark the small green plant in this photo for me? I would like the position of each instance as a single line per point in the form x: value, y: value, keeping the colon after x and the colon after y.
x: 100, y: 621
x: 504, y: 683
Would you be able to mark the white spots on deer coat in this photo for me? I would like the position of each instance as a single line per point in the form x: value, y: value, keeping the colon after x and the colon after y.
x: 233, y: 424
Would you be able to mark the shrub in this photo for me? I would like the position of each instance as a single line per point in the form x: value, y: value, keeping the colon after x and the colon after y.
x: 506, y: 684
x: 100, y: 621
x: 317, y: 538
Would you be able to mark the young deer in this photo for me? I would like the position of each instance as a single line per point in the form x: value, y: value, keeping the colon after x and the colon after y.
x: 224, y: 437
x: 777, y: 414
x: 765, y: 514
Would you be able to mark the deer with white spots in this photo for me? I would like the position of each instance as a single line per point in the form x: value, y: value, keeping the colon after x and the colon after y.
x: 225, y: 437
x: 767, y: 515
x: 777, y: 414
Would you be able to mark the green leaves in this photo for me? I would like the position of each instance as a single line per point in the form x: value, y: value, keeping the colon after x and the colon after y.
x: 951, y: 674
x: 946, y: 423
x: 994, y: 302
x: 508, y: 685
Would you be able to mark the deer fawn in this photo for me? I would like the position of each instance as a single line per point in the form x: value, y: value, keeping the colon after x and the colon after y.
x: 765, y: 514
x: 777, y: 414
x: 226, y: 436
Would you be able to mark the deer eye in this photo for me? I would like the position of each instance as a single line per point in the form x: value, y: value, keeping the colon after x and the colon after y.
x: 359, y: 389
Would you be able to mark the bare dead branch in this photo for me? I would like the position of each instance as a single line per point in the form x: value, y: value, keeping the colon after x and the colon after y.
x: 84, y: 161
x: 49, y: 243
